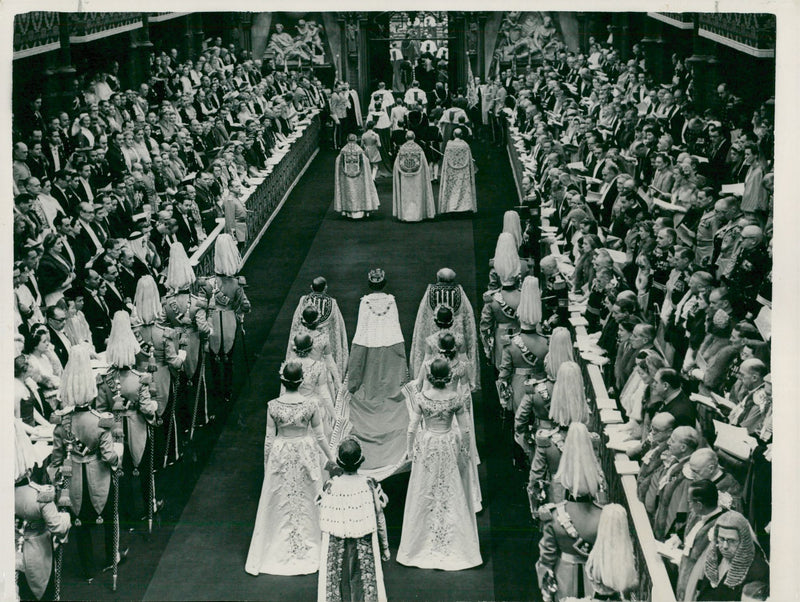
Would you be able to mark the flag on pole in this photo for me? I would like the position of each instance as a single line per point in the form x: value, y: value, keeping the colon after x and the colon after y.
x: 472, y: 89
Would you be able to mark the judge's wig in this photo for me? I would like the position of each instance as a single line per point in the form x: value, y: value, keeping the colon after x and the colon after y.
x: 579, y: 469
x: 611, y: 562
x: 511, y: 224
x: 78, y: 384
x: 560, y: 351
x: 122, y: 344
x: 147, y: 300
x: 742, y: 558
x: 227, y: 259
x: 180, y: 274
x: 568, y: 403
x: 530, y: 302
x: 506, y: 259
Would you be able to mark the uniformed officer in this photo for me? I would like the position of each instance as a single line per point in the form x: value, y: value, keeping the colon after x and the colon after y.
x: 728, y: 215
x: 126, y: 390
x: 569, y: 527
x: 162, y: 356
x: 85, y: 453
x: 568, y: 405
x: 748, y: 267
x: 523, y: 359
x: 499, y: 315
x: 555, y: 295
x: 227, y: 311
x: 535, y: 405
x: 187, y: 312
x: 39, y: 524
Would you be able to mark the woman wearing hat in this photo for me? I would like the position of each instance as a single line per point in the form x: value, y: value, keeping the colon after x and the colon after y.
x: 354, y: 537
x: 439, y: 526
x: 286, y: 538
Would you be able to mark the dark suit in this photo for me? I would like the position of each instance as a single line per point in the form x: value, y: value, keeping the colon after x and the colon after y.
x: 682, y: 409
x: 99, y: 319
x: 60, y: 347
x: 52, y: 273
x: 186, y: 233
x: 115, y: 301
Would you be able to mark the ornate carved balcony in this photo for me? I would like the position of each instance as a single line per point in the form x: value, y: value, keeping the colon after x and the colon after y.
x: 34, y: 30
x: 37, y: 32
x: 753, y: 33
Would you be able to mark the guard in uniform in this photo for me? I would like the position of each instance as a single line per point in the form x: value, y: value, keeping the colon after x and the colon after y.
x: 125, y: 390
x: 162, y: 356
x: 85, y: 453
x: 704, y: 238
x: 226, y: 314
x: 187, y: 313
x: 748, y: 267
x: 555, y: 295
x: 569, y: 527
x: 39, y: 526
x: 499, y: 314
x: 523, y: 358
x: 329, y: 320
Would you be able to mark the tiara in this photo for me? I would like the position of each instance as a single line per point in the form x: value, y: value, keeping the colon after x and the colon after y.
x: 286, y: 380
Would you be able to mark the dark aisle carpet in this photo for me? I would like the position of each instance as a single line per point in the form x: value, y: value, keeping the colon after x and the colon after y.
x: 199, y: 550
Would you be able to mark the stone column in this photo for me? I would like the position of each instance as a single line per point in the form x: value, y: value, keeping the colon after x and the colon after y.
x: 481, y: 66
x: 59, y: 79
x: 245, y: 25
x: 457, y: 66
x: 199, y: 34
x: 187, y: 45
x: 624, y: 34
x: 705, y: 69
x: 363, y: 61
x: 583, y: 34
x: 655, y: 50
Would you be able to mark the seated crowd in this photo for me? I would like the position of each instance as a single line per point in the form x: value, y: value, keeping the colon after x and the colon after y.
x: 656, y: 217
x: 111, y: 199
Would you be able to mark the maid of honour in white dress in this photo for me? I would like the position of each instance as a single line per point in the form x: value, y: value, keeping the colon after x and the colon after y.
x: 286, y: 538
x: 440, y: 530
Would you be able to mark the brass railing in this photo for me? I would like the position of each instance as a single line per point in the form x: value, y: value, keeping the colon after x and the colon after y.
x: 264, y: 200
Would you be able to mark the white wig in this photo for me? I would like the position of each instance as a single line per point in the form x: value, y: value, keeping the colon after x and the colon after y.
x: 122, y: 344
x: 179, y: 271
x: 579, y: 470
x: 147, y: 300
x: 530, y: 302
x: 512, y: 225
x: 506, y: 259
x: 568, y: 403
x: 560, y: 351
x: 78, y: 383
x: 611, y: 561
x: 25, y: 456
x: 227, y: 259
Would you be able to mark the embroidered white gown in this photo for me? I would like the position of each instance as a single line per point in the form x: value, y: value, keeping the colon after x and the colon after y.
x: 439, y: 526
x: 286, y: 538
